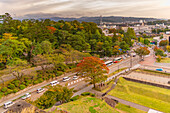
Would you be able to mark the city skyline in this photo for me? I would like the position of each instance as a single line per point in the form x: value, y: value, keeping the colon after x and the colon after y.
x: 75, y: 8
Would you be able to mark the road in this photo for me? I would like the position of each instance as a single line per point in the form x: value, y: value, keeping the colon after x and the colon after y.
x: 32, y: 89
x: 124, y: 64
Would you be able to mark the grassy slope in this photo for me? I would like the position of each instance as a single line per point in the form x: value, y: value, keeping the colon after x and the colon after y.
x: 147, y: 95
x: 128, y: 109
x: 87, y: 105
x: 165, y: 60
x: 94, y: 105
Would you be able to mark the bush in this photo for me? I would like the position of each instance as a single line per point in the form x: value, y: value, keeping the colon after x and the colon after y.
x: 26, y: 84
x: 35, y: 82
x: 9, y: 91
x: 62, y: 67
x: 1, y: 94
x: 91, y: 94
x: 4, y: 89
x: 159, y: 58
x: 22, y: 87
x: 11, y: 86
x: 16, y: 83
x: 15, y: 90
x: 59, y: 73
x: 85, y: 93
x: 39, y: 76
x: 75, y: 98
x: 28, y: 81
x: 40, y: 80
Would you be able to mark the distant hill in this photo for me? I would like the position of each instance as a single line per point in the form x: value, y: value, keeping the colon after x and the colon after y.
x: 113, y: 19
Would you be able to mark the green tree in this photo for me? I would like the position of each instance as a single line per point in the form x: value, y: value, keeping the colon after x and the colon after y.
x: 142, y: 51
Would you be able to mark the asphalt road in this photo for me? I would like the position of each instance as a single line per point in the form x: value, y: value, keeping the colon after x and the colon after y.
x: 112, y: 69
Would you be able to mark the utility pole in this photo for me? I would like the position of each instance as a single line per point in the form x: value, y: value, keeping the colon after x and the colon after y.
x: 131, y: 62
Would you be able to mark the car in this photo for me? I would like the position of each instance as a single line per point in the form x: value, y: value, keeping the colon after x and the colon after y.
x: 54, y: 83
x: 8, y: 104
x: 75, y: 77
x: 115, y: 61
x: 160, y: 69
x: 40, y: 90
x: 27, y: 95
x: 66, y: 79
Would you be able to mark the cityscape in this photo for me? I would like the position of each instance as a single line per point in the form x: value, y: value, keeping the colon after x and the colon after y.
x: 70, y: 56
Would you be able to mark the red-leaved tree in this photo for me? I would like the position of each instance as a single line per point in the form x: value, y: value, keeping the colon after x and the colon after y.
x: 94, y: 70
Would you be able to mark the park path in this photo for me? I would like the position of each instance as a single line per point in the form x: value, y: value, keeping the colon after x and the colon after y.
x: 137, y: 106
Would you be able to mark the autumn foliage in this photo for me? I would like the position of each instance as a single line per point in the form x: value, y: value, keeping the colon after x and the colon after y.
x: 51, y: 29
x: 94, y: 69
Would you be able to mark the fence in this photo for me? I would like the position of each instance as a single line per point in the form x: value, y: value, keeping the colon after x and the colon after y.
x: 75, y: 81
x: 154, y: 74
x: 149, y: 83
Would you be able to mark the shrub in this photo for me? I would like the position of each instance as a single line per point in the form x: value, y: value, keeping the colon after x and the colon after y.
x: 59, y: 73
x: 91, y: 94
x: 39, y: 76
x: 11, y: 86
x: 35, y: 82
x: 16, y: 83
x: 159, y: 58
x: 9, y: 91
x: 75, y: 98
x: 28, y: 81
x: 74, y: 91
x: 4, y: 89
x: 62, y: 67
x: 40, y: 80
x: 85, y: 93
x: 15, y: 90
x: 1, y: 94
x: 22, y: 87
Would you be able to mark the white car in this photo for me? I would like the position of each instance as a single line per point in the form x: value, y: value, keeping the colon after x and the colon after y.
x: 27, y: 95
x: 8, y: 104
x: 75, y: 77
x: 66, y: 79
x: 54, y: 83
x: 40, y: 90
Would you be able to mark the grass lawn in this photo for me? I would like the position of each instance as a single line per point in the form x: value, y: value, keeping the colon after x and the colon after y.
x: 127, y: 109
x: 147, y: 95
x: 165, y: 60
x: 94, y: 105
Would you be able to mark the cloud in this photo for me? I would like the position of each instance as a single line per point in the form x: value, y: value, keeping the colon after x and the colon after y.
x: 78, y: 8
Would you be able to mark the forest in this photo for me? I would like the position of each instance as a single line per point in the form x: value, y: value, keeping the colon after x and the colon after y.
x: 26, y: 42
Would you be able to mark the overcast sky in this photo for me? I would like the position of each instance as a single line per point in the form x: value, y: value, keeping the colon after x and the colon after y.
x: 78, y: 8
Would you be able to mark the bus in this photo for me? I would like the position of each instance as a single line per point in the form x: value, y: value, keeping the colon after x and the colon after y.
x: 108, y: 63
x: 118, y: 59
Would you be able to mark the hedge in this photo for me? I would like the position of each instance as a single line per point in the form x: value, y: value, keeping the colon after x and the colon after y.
x: 22, y: 87
x: 85, y: 93
x: 88, y: 93
x: 75, y: 98
x: 15, y: 90
x: 4, y: 89
x: 11, y: 86
x: 16, y: 83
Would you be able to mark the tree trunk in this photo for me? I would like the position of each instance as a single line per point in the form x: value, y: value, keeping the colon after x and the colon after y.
x: 94, y: 85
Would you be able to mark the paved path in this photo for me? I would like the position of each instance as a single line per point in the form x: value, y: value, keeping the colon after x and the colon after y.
x: 137, y: 106
x: 149, y: 78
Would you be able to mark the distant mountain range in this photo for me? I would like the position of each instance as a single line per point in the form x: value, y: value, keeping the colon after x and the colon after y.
x: 112, y: 19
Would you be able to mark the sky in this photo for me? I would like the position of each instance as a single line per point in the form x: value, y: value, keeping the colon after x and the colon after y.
x: 79, y: 8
